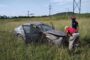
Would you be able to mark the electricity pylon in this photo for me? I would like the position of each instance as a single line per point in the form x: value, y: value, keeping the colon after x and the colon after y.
x: 77, y: 5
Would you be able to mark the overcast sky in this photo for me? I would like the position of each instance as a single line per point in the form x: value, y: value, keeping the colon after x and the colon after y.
x: 38, y: 7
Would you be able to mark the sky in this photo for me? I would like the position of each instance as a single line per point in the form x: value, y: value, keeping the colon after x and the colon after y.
x: 39, y: 7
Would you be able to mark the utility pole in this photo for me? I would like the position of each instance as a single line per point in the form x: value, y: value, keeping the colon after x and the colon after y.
x: 50, y: 9
x: 67, y: 11
x: 73, y: 6
x: 28, y: 13
x: 80, y: 7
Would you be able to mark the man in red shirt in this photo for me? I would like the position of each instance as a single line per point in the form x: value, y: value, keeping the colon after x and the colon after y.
x: 69, y: 30
x: 73, y: 34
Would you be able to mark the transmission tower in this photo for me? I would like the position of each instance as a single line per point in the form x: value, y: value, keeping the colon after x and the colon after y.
x: 76, y: 5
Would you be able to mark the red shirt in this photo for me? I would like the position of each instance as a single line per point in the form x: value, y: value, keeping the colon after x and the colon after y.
x: 70, y: 30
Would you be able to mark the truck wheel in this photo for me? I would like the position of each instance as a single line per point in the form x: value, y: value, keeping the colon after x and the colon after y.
x: 20, y: 37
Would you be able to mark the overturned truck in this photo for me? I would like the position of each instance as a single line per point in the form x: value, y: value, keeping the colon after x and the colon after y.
x: 41, y: 32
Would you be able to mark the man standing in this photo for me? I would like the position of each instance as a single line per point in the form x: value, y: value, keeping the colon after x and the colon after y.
x: 73, y: 35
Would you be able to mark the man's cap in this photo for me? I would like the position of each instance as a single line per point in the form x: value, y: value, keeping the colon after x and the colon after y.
x: 73, y: 17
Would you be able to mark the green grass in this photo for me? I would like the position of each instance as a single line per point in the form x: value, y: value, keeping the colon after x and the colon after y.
x: 13, y: 49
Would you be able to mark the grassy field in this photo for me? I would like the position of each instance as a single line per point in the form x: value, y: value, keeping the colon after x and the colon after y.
x: 13, y: 49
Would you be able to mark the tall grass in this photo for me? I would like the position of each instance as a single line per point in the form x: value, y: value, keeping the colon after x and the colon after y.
x: 13, y: 49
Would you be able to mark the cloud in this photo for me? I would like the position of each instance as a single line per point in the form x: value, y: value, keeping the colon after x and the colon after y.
x: 57, y: 1
x: 85, y: 2
x: 3, y: 5
x: 61, y: 2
